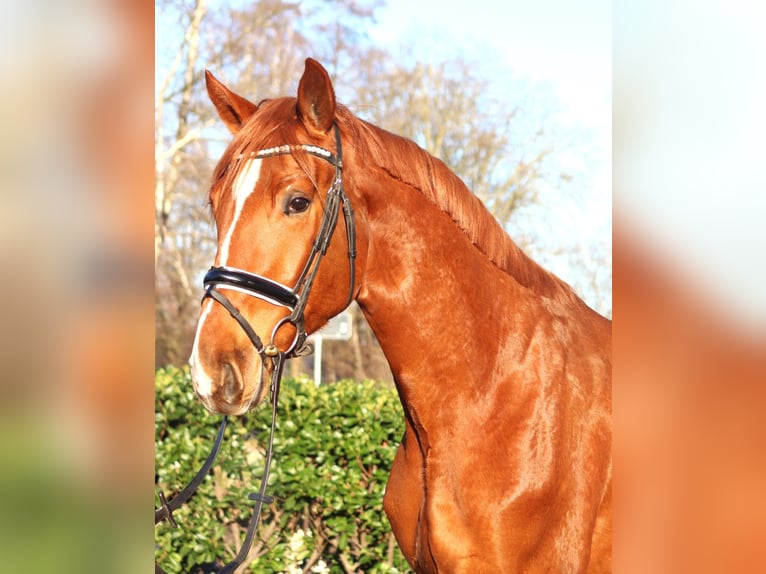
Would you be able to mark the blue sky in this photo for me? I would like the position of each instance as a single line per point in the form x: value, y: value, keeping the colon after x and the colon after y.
x: 562, y: 44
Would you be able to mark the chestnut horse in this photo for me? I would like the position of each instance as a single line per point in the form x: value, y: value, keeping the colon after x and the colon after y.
x: 504, y: 374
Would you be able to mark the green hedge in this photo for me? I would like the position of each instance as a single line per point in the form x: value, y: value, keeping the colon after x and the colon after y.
x: 333, y: 451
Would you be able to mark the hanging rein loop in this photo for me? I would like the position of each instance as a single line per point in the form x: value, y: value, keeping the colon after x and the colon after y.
x: 294, y: 299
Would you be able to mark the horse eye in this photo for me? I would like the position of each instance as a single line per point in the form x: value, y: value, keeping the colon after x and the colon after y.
x: 298, y: 204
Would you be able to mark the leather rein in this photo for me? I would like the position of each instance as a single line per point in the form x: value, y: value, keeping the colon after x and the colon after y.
x: 294, y: 299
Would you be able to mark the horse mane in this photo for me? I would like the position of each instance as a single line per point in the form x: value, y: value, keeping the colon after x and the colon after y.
x: 435, y: 181
x: 424, y: 173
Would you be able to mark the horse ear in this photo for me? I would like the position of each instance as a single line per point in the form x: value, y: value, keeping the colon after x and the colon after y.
x: 234, y: 110
x: 316, y: 99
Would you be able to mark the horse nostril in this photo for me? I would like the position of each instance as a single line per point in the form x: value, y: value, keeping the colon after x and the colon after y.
x: 232, y: 389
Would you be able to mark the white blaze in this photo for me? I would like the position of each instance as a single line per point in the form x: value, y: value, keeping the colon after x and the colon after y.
x: 243, y: 187
x: 202, y: 381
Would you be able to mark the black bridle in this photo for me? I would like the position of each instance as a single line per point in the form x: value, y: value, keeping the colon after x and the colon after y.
x: 295, y: 299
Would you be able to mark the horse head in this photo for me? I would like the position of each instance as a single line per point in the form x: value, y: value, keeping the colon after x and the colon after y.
x: 281, y: 271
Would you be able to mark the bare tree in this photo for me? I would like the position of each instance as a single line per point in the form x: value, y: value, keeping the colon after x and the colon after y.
x: 450, y: 112
x: 177, y: 129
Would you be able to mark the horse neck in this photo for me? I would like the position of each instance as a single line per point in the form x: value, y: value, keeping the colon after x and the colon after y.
x: 433, y: 298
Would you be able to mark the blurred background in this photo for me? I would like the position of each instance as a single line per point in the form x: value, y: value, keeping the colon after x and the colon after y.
x: 101, y: 164
x: 77, y: 325
x: 689, y: 276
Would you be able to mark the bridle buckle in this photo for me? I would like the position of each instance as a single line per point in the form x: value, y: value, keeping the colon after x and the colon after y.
x: 270, y: 350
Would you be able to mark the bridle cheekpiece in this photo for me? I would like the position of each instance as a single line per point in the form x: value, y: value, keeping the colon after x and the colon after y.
x: 294, y: 298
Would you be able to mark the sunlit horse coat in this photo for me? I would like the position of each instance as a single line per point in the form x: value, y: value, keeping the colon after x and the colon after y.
x: 503, y: 372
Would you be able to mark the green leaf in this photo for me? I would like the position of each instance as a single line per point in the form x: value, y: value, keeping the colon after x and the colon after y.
x: 334, y: 449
